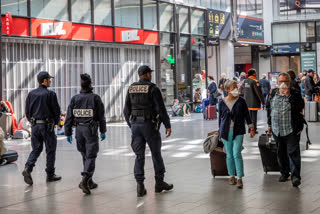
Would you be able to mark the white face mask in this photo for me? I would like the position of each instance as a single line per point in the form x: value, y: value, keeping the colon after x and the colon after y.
x: 283, y: 86
x: 234, y: 92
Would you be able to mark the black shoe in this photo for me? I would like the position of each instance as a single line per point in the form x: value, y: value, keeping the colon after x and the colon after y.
x: 92, y: 184
x: 27, y: 176
x: 283, y: 178
x: 84, y: 185
x: 163, y: 186
x: 141, y: 190
x: 256, y: 132
x: 296, y: 181
x: 53, y: 178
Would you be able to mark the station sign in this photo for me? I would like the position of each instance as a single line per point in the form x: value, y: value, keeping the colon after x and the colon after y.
x: 213, y: 41
x: 219, y: 24
x: 285, y: 49
x: 51, y: 29
x: 309, y: 60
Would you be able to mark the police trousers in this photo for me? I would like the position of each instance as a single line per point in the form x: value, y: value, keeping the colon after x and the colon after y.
x: 88, y: 146
x: 146, y: 132
x: 41, y: 136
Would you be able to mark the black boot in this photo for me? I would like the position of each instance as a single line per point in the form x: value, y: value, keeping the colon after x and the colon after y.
x: 27, y: 176
x: 92, y: 184
x: 141, y: 190
x: 53, y: 177
x: 84, y: 185
x: 160, y: 186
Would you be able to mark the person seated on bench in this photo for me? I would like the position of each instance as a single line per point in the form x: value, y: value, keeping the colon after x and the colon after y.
x: 180, y: 109
x: 197, y: 98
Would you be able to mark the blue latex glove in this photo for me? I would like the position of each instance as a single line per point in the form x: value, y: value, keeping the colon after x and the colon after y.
x: 69, y: 139
x: 102, y: 136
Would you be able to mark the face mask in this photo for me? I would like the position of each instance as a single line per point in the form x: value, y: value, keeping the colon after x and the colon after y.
x: 283, y: 86
x: 234, y: 92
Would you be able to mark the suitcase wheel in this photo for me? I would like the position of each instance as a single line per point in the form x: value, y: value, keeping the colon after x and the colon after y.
x: 265, y: 170
x: 3, y: 162
x: 213, y: 174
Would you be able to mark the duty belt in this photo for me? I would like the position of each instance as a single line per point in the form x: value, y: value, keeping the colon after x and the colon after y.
x: 83, y: 124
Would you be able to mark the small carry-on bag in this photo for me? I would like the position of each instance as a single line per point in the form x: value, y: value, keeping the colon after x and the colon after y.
x: 268, y: 151
x: 218, y: 162
x: 211, y: 113
x: 205, y: 103
x: 6, y: 124
x: 9, y: 157
x: 311, y: 111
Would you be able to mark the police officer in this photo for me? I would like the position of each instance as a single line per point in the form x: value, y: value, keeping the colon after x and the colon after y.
x: 144, y: 111
x: 86, y: 112
x: 43, y: 112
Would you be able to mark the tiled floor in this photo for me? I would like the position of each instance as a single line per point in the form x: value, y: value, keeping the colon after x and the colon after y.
x: 188, y: 168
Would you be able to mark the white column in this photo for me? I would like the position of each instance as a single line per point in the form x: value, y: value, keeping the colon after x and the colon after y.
x: 227, y: 58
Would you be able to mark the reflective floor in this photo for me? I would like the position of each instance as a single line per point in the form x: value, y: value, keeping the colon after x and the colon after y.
x: 188, y: 168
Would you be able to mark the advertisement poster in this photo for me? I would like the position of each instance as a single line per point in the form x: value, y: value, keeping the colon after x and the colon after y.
x: 219, y: 24
x: 308, y: 60
x: 250, y: 29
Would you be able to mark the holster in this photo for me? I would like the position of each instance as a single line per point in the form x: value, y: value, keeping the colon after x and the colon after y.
x: 50, y: 125
x: 94, y: 128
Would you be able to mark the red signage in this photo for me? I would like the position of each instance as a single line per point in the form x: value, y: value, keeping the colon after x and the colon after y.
x: 127, y: 35
x: 51, y: 29
x: 8, y: 24
x: 82, y: 32
x: 103, y: 33
x: 151, y: 37
x: 20, y: 26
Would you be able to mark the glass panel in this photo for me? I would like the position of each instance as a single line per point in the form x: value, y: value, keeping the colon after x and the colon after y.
x: 307, y: 32
x: 15, y: 7
x: 150, y: 15
x: 81, y: 11
x: 199, y: 65
x: 127, y: 13
x: 50, y: 9
x: 166, y: 17
x: 167, y: 62
x: 183, y: 71
x: 197, y: 22
x: 183, y: 19
x: 318, y: 31
x: 285, y: 33
x: 102, y: 12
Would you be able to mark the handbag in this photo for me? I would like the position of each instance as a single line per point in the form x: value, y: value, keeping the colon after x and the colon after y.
x: 216, y: 94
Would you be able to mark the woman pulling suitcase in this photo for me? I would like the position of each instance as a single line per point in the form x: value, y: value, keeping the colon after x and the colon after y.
x: 233, y: 113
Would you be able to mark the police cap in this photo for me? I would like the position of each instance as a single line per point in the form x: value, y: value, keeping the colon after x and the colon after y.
x: 311, y: 71
x: 144, y: 69
x: 43, y: 75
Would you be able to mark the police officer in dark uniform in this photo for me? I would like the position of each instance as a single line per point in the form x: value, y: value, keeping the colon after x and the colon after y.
x: 43, y: 112
x: 86, y: 112
x: 144, y: 111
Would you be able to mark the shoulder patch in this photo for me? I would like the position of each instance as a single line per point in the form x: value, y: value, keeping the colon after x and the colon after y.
x: 139, y: 89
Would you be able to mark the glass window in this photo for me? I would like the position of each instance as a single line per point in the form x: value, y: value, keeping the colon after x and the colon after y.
x: 183, y: 71
x: 127, y: 13
x: 50, y: 9
x: 197, y: 22
x: 102, y: 12
x: 150, y: 15
x: 166, y: 17
x: 81, y: 11
x: 307, y: 32
x: 183, y: 19
x: 285, y: 33
x: 15, y: 7
x: 198, y: 64
x: 318, y: 31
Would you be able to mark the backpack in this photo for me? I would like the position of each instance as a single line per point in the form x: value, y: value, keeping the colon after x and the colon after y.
x: 241, y: 86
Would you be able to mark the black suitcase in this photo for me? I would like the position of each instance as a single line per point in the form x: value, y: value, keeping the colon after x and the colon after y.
x: 9, y: 157
x: 268, y: 151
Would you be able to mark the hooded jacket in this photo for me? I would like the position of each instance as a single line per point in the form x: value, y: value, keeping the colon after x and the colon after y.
x: 253, y: 94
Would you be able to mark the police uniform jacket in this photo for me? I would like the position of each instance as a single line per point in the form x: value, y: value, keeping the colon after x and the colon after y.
x: 85, y: 108
x: 152, y: 96
x: 42, y: 104
x: 253, y: 94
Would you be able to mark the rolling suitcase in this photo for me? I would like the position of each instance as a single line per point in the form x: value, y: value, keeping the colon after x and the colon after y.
x: 211, y: 113
x: 311, y: 111
x: 218, y: 162
x: 6, y: 124
x: 205, y: 103
x: 268, y: 151
x: 9, y: 157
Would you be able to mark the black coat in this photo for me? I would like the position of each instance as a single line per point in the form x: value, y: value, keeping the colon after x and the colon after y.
x: 310, y: 86
x: 253, y: 94
x: 297, y: 105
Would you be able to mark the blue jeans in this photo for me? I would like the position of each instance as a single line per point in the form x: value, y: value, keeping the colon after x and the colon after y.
x: 234, y: 157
